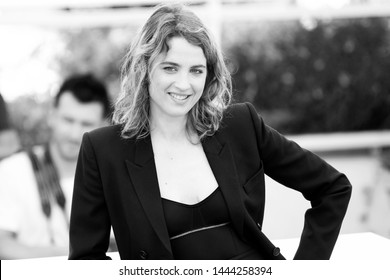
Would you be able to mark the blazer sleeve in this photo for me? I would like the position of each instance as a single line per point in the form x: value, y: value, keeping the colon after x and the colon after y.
x: 328, y: 190
x: 89, y: 223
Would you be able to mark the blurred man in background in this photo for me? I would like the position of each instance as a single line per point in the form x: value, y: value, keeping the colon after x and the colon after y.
x: 9, y: 140
x: 36, y: 186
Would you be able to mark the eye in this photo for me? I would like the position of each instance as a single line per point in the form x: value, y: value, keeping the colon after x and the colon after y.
x: 87, y: 124
x: 170, y: 69
x: 68, y: 120
x: 197, y: 71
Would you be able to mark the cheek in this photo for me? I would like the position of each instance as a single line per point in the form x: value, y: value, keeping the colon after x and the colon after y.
x: 62, y: 129
x: 152, y: 91
x: 200, y: 86
x: 157, y: 85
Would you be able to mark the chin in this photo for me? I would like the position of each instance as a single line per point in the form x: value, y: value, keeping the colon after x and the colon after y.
x: 183, y: 111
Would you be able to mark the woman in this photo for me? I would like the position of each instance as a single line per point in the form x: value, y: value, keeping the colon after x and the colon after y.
x: 181, y: 174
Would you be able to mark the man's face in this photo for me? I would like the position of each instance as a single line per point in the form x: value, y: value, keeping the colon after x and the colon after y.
x: 70, y: 120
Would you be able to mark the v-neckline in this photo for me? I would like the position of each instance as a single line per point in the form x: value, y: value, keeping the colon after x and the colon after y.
x: 197, y: 204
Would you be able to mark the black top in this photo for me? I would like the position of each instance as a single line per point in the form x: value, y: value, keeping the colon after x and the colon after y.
x: 203, y: 230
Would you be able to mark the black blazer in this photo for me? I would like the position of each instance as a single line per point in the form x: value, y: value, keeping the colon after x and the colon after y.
x: 116, y: 184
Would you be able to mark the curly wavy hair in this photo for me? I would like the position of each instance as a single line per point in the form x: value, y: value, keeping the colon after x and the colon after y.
x: 133, y: 104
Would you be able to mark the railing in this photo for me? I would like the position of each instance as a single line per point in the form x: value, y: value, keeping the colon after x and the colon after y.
x: 330, y: 142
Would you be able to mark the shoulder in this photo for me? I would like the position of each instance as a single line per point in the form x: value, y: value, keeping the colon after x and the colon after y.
x: 107, y: 141
x: 240, y: 111
x: 107, y: 135
x: 106, y: 132
x: 15, y: 161
x: 238, y: 124
x: 238, y: 108
x: 13, y: 167
x: 239, y: 115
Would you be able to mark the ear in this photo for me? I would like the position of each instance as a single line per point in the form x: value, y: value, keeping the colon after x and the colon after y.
x: 52, y: 117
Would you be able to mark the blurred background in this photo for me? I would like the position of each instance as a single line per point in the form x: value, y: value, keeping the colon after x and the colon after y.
x: 317, y: 71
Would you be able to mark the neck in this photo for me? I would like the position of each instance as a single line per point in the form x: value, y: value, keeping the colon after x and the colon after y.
x: 172, y: 129
x: 66, y: 168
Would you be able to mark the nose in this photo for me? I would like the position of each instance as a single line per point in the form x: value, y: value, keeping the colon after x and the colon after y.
x: 182, y: 81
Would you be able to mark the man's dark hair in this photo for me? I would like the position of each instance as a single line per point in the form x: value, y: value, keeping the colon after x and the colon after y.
x: 86, y: 88
x: 4, y: 122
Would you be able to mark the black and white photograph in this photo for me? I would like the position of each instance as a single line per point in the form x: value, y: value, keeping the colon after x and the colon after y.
x: 221, y: 132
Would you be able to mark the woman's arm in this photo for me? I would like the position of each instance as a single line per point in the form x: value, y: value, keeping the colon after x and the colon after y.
x: 328, y: 190
x: 89, y: 222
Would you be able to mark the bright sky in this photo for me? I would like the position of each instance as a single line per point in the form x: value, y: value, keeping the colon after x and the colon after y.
x: 25, y: 58
x: 320, y: 4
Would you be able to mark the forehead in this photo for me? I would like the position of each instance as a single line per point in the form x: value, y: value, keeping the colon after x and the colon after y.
x: 180, y: 50
x: 69, y: 106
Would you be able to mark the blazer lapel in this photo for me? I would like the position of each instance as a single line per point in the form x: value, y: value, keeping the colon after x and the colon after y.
x: 143, y: 175
x: 144, y: 178
x: 222, y: 164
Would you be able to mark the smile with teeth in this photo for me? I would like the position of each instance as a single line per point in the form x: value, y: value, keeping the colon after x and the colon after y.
x: 178, y: 96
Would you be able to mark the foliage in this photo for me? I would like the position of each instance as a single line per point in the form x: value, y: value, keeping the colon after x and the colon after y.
x: 95, y: 50
x: 318, y: 76
x: 29, y: 116
x: 303, y: 76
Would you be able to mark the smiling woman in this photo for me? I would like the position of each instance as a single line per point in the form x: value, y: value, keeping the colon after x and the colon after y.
x: 153, y: 43
x: 177, y: 81
x: 181, y: 173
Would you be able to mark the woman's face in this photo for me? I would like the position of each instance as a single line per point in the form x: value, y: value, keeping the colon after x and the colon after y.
x: 177, y: 79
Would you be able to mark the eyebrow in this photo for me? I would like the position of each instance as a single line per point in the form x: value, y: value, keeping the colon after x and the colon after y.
x: 177, y: 65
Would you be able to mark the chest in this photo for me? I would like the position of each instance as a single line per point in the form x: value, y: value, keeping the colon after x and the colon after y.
x: 184, y: 173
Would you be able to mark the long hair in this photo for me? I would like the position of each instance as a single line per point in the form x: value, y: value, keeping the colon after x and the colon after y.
x: 133, y: 104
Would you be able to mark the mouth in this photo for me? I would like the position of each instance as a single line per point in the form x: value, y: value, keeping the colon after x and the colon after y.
x: 179, y: 97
